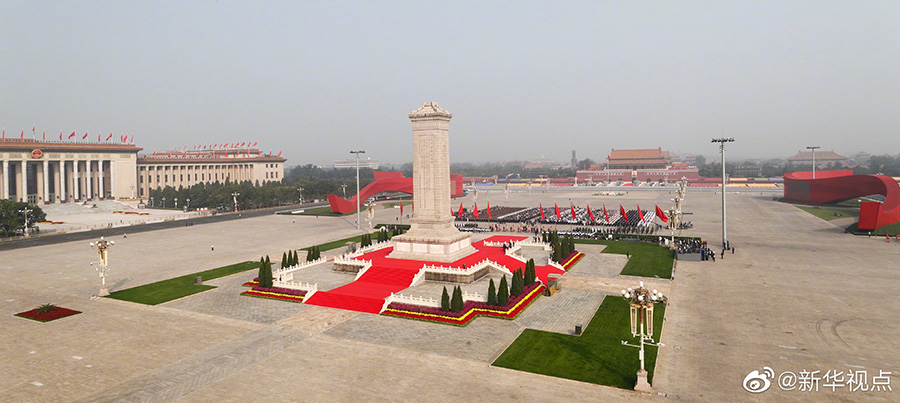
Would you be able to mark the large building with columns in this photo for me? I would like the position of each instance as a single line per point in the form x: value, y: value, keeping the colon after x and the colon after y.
x: 188, y: 168
x: 45, y: 172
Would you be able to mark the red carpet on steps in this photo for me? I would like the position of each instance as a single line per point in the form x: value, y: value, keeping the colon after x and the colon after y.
x: 386, y: 276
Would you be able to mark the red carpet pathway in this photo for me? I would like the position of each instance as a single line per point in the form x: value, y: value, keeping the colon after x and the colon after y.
x: 386, y: 276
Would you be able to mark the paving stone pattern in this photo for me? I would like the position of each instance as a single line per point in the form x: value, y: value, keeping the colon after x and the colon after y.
x: 561, y: 312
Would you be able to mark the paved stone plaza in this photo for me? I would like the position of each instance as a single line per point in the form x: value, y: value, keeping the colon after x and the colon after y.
x: 798, y: 294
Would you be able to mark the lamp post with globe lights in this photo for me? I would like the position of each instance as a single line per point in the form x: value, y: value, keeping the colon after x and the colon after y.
x: 641, y: 301
x: 102, y: 246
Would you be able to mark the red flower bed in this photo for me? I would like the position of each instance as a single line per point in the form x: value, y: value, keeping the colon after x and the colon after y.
x: 471, y: 309
x: 55, y: 314
x: 283, y: 294
x: 572, y: 259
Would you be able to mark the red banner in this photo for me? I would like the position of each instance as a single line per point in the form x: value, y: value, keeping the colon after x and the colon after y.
x: 661, y: 214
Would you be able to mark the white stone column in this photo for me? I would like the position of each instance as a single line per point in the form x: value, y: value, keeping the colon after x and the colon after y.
x: 76, y: 186
x: 4, y: 193
x: 58, y: 184
x: 47, y: 182
x: 112, y: 181
x: 89, y: 180
x: 100, y: 187
x: 24, y: 180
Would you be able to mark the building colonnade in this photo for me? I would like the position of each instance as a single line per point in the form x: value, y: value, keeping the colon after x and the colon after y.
x: 47, y: 181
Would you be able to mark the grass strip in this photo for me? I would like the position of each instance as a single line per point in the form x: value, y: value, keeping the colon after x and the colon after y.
x: 178, y: 287
x: 647, y: 259
x: 829, y: 214
x: 597, y: 356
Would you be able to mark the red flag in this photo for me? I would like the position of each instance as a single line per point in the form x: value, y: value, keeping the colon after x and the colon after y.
x: 22, y: 136
x: 622, y: 211
x: 45, y: 135
x: 661, y: 214
x: 573, y: 211
x: 556, y: 207
x: 542, y: 211
x: 459, y: 215
x: 98, y: 137
x: 254, y: 143
x: 72, y: 135
x: 591, y: 213
x: 60, y: 136
x: 476, y: 210
x: 109, y: 137
x: 605, y: 213
x: 132, y: 139
x: 279, y: 153
x: 489, y: 210
x: 4, y: 133
x: 401, y: 207
x: 32, y: 129
x: 640, y: 214
x: 85, y: 136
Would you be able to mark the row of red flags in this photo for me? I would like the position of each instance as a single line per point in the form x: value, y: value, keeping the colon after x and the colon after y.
x: 659, y: 212
x: 122, y: 138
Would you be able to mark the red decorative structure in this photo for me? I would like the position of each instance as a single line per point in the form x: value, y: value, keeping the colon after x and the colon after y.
x: 386, y: 182
x: 837, y: 186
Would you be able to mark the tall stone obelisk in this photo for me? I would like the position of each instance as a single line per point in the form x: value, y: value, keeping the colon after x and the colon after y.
x: 432, y: 235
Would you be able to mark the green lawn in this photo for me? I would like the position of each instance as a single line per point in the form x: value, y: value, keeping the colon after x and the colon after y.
x: 597, y: 356
x: 178, y: 287
x: 892, y: 229
x: 647, y: 259
x: 828, y: 214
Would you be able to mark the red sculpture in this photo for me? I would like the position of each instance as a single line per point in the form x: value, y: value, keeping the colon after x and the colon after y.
x: 387, y: 182
x: 837, y: 186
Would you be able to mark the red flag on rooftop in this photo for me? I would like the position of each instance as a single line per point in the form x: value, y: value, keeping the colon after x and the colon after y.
x: 605, y: 213
x: 460, y: 210
x: 489, y: 210
x: 109, y: 137
x: 279, y: 153
x: 254, y: 143
x: 476, y: 210
x: 22, y: 136
x: 72, y: 135
x: 542, y: 211
x: 98, y: 137
x: 32, y: 129
x: 640, y: 213
x: 45, y: 135
x: 591, y: 213
x: 4, y: 133
x: 622, y: 211
x: 60, y: 136
x: 132, y: 139
x: 556, y: 207
x: 85, y: 136
x: 573, y: 211
x: 661, y: 214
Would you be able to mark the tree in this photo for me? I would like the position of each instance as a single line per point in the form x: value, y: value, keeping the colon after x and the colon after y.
x: 492, y: 294
x: 12, y: 219
x: 530, y: 274
x: 456, y: 302
x: 284, y: 260
x: 518, y: 283
x: 265, y: 280
x: 445, y: 300
x: 262, y: 270
x: 503, y: 293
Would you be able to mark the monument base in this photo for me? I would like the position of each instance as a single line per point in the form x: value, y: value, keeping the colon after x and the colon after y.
x: 103, y: 291
x: 642, y: 385
x: 445, y: 249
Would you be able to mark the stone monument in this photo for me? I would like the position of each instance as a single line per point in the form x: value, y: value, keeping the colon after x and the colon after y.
x: 432, y: 236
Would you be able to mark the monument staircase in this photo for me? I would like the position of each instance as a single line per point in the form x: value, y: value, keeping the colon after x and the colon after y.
x: 388, y: 275
x: 368, y: 292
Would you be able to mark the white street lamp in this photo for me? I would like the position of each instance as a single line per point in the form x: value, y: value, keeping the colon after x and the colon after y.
x: 722, y: 142
x: 813, y: 148
x: 358, y: 201
x: 102, y: 246
x: 641, y: 301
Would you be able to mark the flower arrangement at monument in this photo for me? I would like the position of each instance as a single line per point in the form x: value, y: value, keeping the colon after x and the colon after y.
x: 279, y: 293
x: 572, y: 259
x: 470, y: 309
x: 47, y: 313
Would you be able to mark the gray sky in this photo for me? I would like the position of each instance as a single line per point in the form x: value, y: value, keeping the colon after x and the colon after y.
x: 522, y: 79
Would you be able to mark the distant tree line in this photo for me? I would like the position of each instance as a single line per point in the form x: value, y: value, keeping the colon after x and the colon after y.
x: 12, y: 218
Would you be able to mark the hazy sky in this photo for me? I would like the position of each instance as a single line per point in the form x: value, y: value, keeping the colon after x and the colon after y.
x: 522, y: 79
